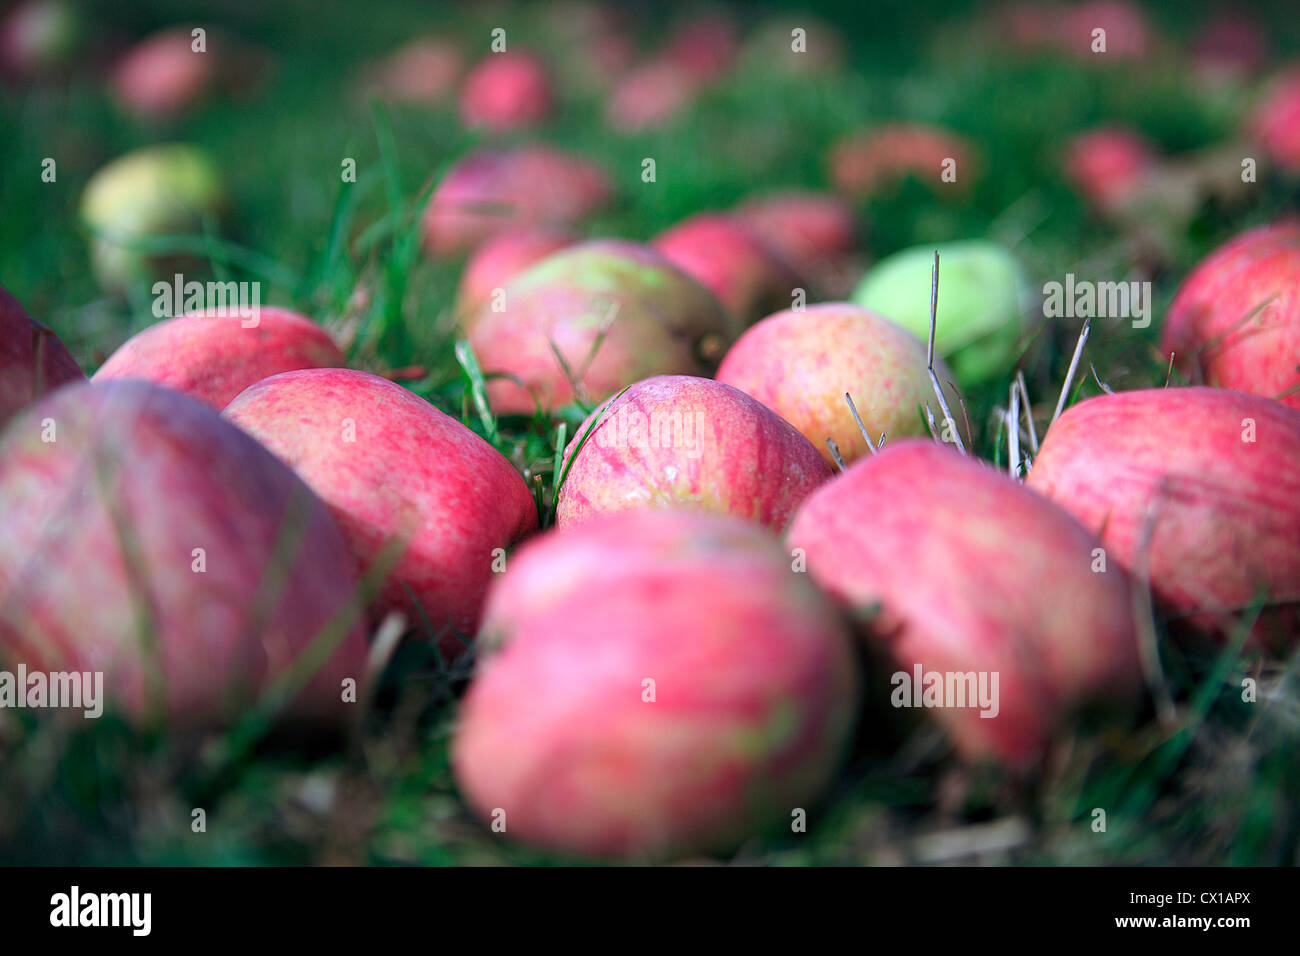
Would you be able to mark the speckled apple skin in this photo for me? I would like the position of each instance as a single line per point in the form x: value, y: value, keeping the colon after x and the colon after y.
x: 566, y: 303
x: 732, y: 455
x: 1223, y: 513
x: 800, y: 365
x: 32, y: 359
x: 214, y: 358
x: 971, y: 571
x: 755, y: 689
x: 412, y: 473
x: 1207, y: 326
x: 182, y: 478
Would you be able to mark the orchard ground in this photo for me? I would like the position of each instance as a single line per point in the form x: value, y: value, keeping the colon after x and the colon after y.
x: 1213, y: 781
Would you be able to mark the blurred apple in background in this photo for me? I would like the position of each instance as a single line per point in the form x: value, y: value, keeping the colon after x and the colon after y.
x: 1275, y: 124
x: 1108, y: 166
x: 32, y: 359
x: 422, y: 72
x: 506, y: 91
x: 867, y: 162
x: 39, y: 37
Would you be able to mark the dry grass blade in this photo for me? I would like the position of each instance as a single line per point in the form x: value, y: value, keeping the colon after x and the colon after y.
x: 1074, y: 369
x: 861, y: 427
x: 934, y: 379
x: 1013, y: 434
x: 835, y: 453
x: 1029, y: 411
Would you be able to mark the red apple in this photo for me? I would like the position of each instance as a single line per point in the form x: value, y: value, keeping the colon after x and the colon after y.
x: 1108, y: 166
x: 864, y: 163
x: 704, y: 46
x: 389, y: 466
x: 665, y: 686
x: 720, y: 252
x: 1128, y: 36
x: 498, y: 260
x: 148, y: 539
x: 675, y: 440
x: 163, y: 75
x: 1275, y: 123
x: 215, y: 357
x: 1235, y: 321
x: 614, y: 312
x: 815, y: 232
x: 961, y: 570
x: 494, y: 191
x: 1206, y: 482
x: 423, y: 71
x: 1231, y: 44
x: 39, y: 37
x: 800, y: 364
x: 506, y: 91
x: 649, y: 96
x: 32, y: 359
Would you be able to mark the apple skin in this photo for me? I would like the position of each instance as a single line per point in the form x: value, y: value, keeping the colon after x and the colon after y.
x: 410, y: 472
x: 32, y: 359
x: 754, y: 700
x: 1107, y: 166
x: 730, y: 454
x: 800, y: 364
x: 498, y: 260
x: 981, y: 287
x: 649, y: 96
x: 181, y: 478
x: 1223, y: 514
x: 423, y: 71
x: 972, y: 572
x: 663, y: 322
x: 1128, y: 34
x: 815, y: 232
x: 162, y: 76
x: 506, y: 91
x: 864, y: 163
x: 154, y: 191
x: 1275, y: 124
x: 704, y: 46
x: 494, y: 191
x: 720, y: 252
x: 1206, y: 326
x: 214, y: 358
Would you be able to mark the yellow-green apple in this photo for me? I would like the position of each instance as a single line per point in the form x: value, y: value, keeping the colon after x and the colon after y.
x: 32, y: 359
x: 988, y: 598
x: 1235, y: 321
x: 588, y: 320
x: 498, y: 260
x: 801, y: 364
x: 676, y: 440
x: 147, y: 539
x: 154, y: 191
x: 215, y: 357
x: 726, y: 257
x: 1198, y: 486
x: 614, y: 717
x: 493, y: 191
x: 981, y: 293
x: 505, y: 91
x: 392, y: 467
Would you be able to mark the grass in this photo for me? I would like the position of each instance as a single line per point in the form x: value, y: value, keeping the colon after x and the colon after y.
x: 1210, y: 778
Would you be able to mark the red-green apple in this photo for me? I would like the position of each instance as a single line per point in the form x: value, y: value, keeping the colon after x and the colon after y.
x: 498, y: 260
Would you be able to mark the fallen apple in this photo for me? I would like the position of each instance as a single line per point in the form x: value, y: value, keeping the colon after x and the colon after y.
x: 801, y: 364
x: 981, y: 290
x: 214, y: 357
x: 32, y: 359
x: 675, y: 440
x: 815, y: 232
x: 659, y: 685
x: 1275, y: 123
x: 867, y: 162
x: 649, y: 96
x: 148, y: 539
x: 961, y: 572
x: 1198, y: 486
x: 164, y: 75
x: 392, y: 467
x: 588, y: 320
x: 423, y: 72
x: 39, y: 37
x: 1107, y: 166
x: 506, y: 91
x: 498, y: 260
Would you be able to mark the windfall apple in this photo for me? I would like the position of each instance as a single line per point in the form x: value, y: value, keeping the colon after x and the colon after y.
x: 32, y: 359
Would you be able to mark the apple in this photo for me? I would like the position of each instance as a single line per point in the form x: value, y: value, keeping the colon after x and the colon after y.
x: 494, y: 191
x: 498, y: 260
x: 660, y: 685
x: 981, y: 290
x: 390, y: 466
x: 214, y: 357
x: 818, y: 49
x: 704, y: 46
x: 39, y: 37
x: 1230, y: 45
x: 1108, y: 165
x: 154, y: 191
x: 649, y: 96
x: 1028, y: 27
x: 958, y: 569
x: 800, y: 364
x: 423, y: 71
x: 865, y: 163
x: 148, y: 539
x: 1205, y: 483
x: 505, y: 91
x: 748, y: 277
x: 1128, y: 35
x: 163, y: 76
x: 676, y: 440
x: 615, y: 311
x: 815, y: 232
x: 1235, y: 320
x: 32, y: 359
x: 1275, y: 123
